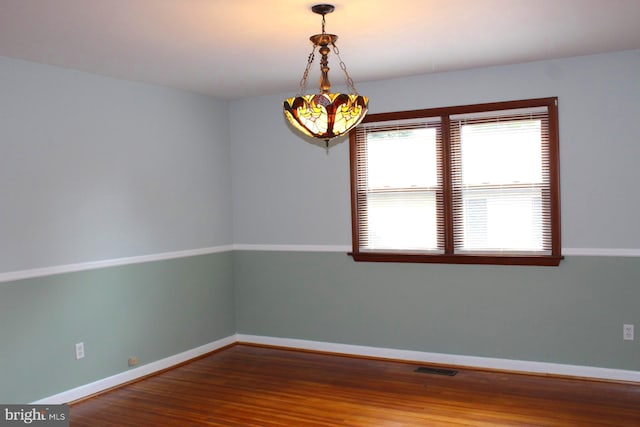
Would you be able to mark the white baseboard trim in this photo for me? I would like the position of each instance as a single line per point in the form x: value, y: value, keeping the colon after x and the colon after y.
x: 448, y: 359
x: 527, y: 367
x: 133, y: 374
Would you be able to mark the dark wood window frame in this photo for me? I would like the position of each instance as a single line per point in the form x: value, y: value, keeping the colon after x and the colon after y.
x: 448, y: 256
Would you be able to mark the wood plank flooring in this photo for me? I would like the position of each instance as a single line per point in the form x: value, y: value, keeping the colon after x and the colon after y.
x: 256, y: 386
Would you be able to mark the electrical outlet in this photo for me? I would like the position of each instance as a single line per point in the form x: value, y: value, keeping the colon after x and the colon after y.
x: 133, y: 361
x: 627, y: 332
x: 79, y: 350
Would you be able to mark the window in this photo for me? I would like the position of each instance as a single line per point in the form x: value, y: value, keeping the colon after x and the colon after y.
x: 475, y: 184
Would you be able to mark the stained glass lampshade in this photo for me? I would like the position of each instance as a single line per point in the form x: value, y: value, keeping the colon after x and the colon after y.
x: 325, y: 115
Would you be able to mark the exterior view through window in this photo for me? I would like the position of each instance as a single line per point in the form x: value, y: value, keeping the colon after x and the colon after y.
x: 470, y: 184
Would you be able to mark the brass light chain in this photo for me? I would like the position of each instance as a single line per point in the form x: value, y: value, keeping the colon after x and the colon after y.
x: 312, y: 56
x: 305, y: 75
x: 343, y: 66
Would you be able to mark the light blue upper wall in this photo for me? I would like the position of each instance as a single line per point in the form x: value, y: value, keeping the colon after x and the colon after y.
x: 95, y: 168
x: 92, y: 169
x: 287, y: 191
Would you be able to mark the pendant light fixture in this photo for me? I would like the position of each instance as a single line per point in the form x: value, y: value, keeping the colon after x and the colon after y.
x: 325, y: 115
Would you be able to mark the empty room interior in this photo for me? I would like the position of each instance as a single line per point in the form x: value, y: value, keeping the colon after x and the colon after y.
x: 157, y: 207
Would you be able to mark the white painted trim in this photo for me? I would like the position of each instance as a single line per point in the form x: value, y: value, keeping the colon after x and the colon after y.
x: 354, y: 350
x: 292, y: 248
x: 133, y: 374
x: 448, y: 359
x: 612, y: 252
x: 93, y: 265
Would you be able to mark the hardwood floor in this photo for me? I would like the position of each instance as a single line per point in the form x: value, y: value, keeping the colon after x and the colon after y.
x: 255, y: 386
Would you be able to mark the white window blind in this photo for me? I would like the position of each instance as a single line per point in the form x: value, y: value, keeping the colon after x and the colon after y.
x: 400, y: 186
x: 500, y: 179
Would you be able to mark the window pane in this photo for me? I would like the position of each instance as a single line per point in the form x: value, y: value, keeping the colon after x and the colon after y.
x: 403, y: 158
x: 401, y: 220
x: 501, y: 175
x: 502, y: 220
x: 501, y: 152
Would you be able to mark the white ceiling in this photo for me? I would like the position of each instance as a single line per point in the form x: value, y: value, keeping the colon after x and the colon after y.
x: 240, y: 48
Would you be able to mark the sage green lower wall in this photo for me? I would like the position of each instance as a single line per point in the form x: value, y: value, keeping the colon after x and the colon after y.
x: 571, y: 314
x: 151, y: 311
